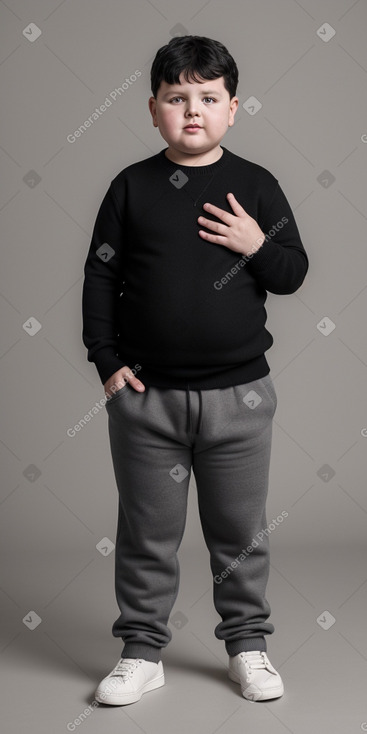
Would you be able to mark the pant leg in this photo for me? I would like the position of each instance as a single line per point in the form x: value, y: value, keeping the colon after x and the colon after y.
x: 152, y: 459
x: 231, y: 467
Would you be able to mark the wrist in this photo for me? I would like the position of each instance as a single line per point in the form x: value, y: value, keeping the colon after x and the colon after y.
x: 255, y: 246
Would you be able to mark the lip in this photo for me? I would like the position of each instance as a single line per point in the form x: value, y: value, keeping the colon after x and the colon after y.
x: 192, y: 127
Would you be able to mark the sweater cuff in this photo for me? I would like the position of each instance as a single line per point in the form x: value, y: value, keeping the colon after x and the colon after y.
x: 107, y: 363
x: 261, y: 259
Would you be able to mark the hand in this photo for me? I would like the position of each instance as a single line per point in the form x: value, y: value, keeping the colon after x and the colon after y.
x: 119, y: 379
x: 240, y: 232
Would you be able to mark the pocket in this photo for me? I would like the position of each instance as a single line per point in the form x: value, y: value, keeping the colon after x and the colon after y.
x: 268, y: 385
x: 118, y: 394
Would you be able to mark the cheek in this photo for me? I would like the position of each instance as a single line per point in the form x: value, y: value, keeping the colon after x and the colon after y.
x: 217, y: 118
x: 168, y: 118
x: 218, y: 122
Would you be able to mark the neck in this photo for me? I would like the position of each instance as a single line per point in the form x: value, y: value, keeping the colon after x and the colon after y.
x: 194, y: 159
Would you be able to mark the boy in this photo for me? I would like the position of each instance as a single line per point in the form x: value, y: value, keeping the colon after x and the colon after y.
x: 185, y: 245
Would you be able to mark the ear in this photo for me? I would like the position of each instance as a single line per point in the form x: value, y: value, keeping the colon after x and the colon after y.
x: 152, y: 103
x: 233, y: 105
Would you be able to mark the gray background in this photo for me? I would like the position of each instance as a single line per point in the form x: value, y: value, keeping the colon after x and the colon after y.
x: 58, y: 494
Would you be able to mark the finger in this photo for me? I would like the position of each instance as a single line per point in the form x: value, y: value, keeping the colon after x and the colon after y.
x: 215, y: 226
x: 125, y: 377
x: 134, y: 382
x: 236, y: 206
x: 226, y: 217
x: 217, y: 239
x: 137, y: 385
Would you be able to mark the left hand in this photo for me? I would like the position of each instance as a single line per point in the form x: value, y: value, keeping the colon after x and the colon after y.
x: 240, y: 232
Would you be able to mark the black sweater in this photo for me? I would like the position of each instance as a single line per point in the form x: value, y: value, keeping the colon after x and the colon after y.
x: 181, y: 310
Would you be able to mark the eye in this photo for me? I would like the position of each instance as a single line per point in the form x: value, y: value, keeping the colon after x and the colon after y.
x: 210, y: 98
x: 173, y: 98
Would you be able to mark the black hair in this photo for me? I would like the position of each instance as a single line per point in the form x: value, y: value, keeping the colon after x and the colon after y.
x: 196, y: 56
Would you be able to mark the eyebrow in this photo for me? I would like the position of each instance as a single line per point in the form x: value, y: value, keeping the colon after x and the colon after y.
x: 180, y: 93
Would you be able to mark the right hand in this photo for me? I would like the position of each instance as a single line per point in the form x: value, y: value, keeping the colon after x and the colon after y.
x: 119, y: 379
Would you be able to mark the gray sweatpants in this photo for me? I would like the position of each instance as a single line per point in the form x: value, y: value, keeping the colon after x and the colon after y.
x: 156, y: 436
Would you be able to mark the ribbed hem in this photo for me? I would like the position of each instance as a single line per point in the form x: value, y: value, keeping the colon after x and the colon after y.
x: 139, y: 650
x: 196, y: 170
x: 200, y: 379
x: 107, y: 363
x: 245, y: 645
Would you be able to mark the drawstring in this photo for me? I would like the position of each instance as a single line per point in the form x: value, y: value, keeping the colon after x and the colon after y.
x: 188, y: 407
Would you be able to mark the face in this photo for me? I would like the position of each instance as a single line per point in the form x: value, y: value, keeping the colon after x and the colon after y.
x: 206, y: 104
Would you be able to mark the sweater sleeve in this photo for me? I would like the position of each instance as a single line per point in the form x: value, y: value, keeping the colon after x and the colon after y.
x: 281, y: 263
x: 102, y: 284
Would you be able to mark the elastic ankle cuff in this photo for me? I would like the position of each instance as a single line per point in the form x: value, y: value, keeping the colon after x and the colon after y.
x: 245, y: 645
x: 139, y: 650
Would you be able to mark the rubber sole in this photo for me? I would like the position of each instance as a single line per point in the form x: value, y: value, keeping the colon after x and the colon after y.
x: 275, y: 692
x: 114, y: 699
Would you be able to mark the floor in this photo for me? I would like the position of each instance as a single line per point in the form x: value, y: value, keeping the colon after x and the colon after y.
x: 318, y: 602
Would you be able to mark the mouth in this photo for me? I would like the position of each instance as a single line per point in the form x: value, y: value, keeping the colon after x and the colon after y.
x: 192, y: 127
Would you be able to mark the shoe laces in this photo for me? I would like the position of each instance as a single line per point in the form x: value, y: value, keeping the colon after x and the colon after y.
x: 125, y: 667
x: 255, y: 659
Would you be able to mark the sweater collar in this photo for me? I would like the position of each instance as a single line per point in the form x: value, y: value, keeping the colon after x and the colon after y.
x: 195, y: 170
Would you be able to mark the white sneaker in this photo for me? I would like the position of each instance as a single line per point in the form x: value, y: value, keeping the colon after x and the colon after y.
x: 258, y: 678
x: 127, y: 682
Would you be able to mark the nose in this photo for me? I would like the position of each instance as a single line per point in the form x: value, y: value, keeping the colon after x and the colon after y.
x: 191, y: 110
